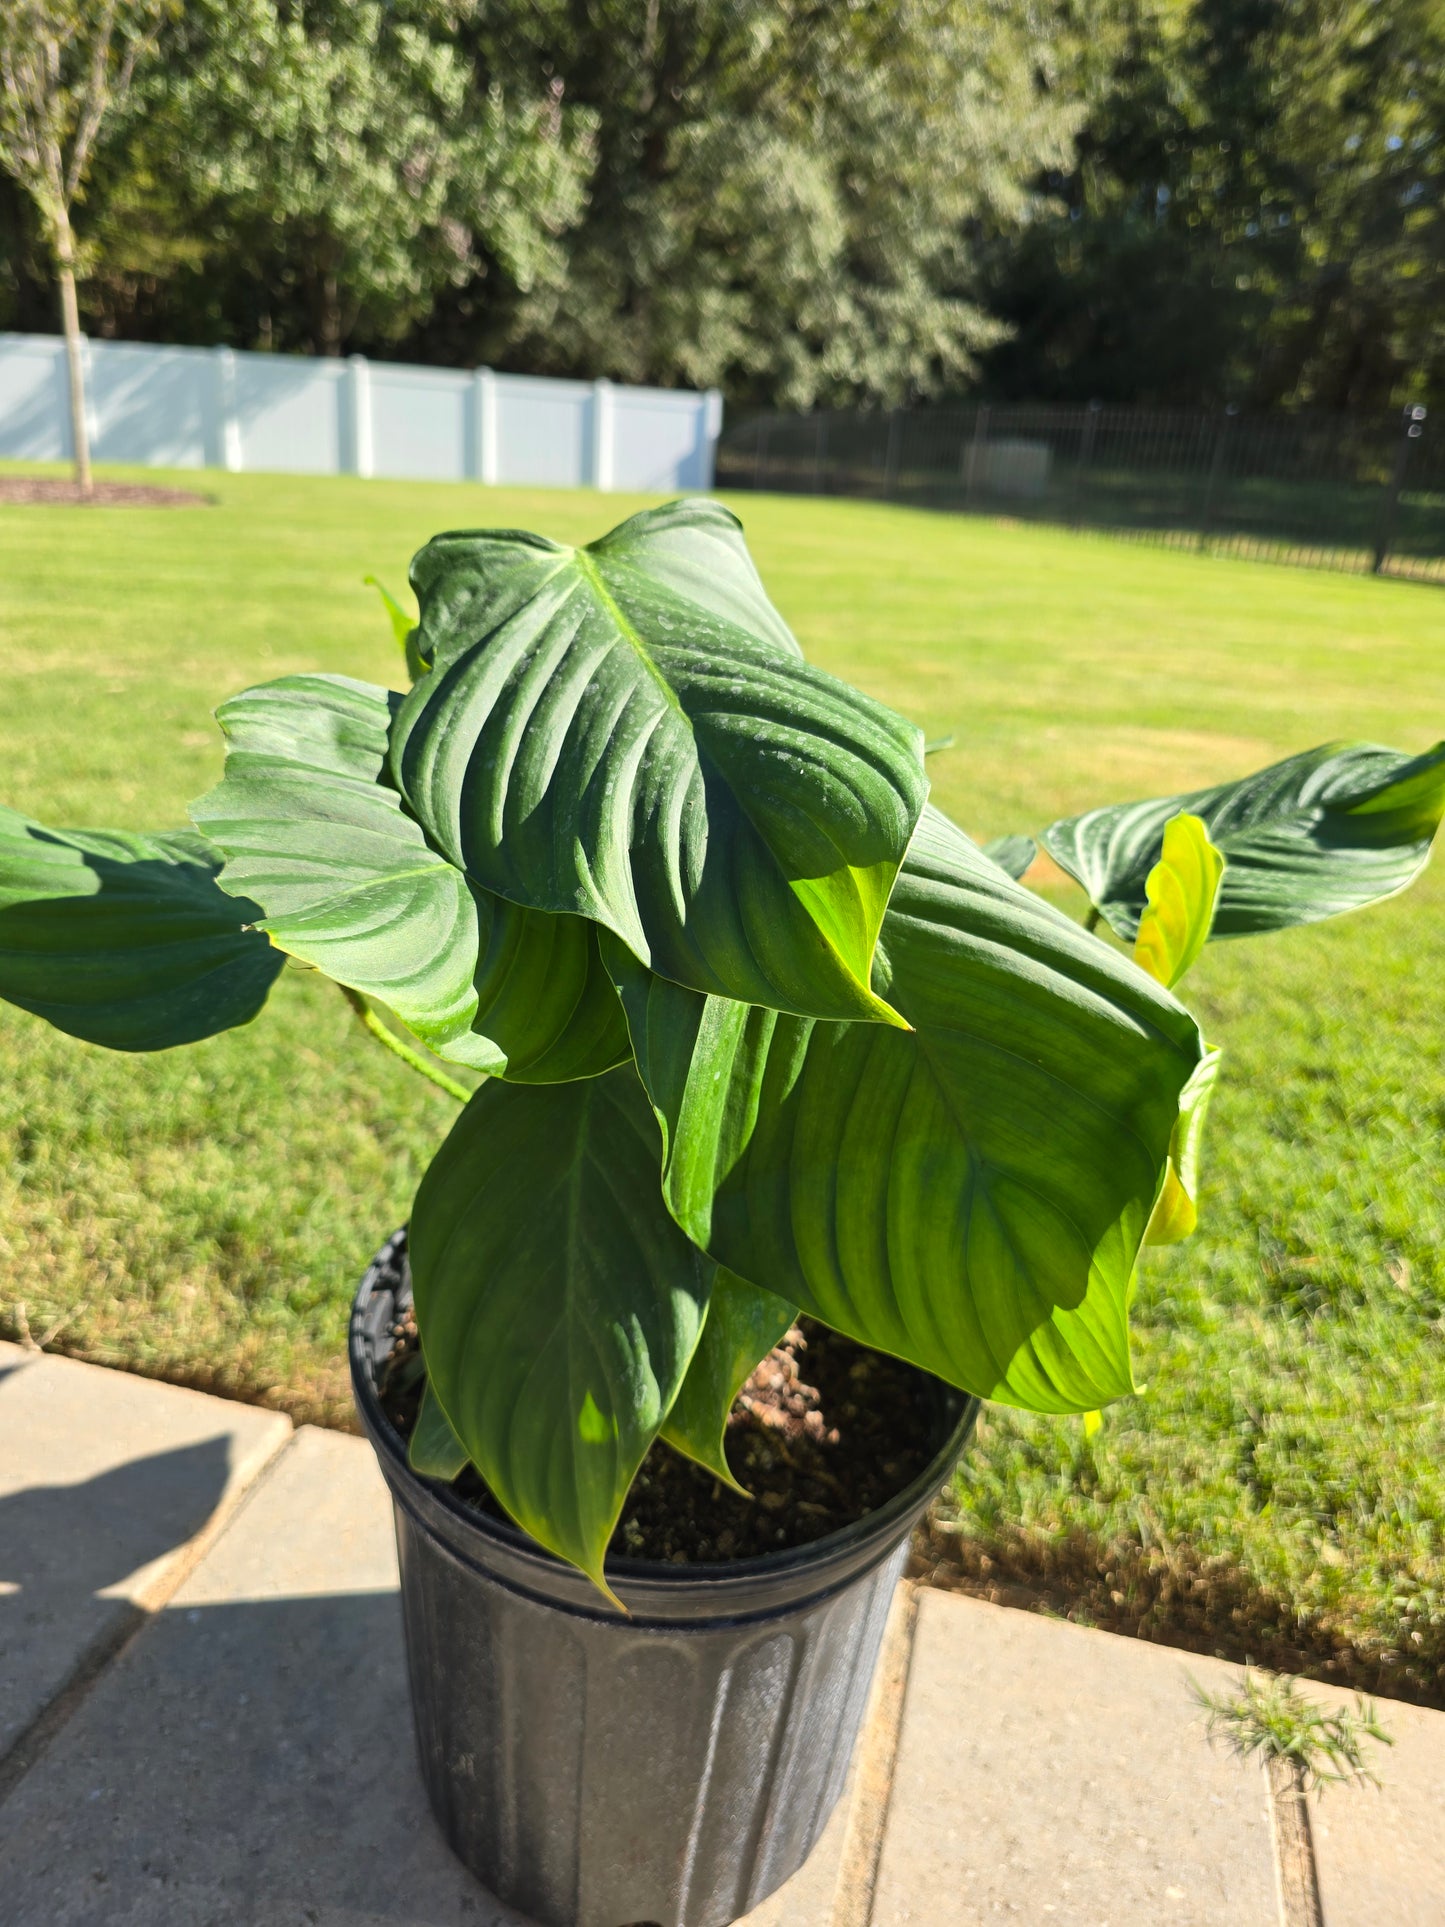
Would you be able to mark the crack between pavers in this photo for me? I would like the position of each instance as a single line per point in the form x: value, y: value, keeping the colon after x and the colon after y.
x: 1296, y: 1875
x: 114, y: 1641
x: 876, y: 1762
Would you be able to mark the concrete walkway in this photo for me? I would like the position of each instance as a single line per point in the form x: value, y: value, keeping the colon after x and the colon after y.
x: 204, y: 1721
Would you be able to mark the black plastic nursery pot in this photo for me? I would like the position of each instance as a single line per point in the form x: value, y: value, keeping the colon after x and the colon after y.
x: 672, y: 1767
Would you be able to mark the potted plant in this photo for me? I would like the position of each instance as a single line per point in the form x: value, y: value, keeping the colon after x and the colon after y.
x: 762, y: 1035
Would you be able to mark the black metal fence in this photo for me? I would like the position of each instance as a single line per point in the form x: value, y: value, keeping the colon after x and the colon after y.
x: 1329, y: 491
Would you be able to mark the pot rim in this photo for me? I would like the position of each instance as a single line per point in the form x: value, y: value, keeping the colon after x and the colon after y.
x: 875, y: 1532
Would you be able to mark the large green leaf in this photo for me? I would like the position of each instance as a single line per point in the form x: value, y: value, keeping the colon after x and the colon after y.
x: 126, y: 940
x: 970, y: 1196
x: 557, y: 1302
x: 626, y: 731
x: 743, y: 1325
x: 313, y: 830
x: 546, y: 1008
x: 1330, y: 830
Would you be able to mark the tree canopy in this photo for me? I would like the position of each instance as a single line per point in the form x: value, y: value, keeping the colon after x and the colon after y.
x: 1254, y: 211
x: 800, y: 201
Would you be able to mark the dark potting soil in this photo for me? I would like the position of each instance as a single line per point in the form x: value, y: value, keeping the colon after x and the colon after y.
x: 822, y: 1434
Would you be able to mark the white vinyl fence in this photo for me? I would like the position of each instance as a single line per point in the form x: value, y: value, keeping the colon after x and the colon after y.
x: 220, y: 408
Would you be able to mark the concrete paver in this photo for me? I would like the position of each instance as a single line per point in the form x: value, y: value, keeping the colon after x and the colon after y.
x: 248, y: 1762
x: 105, y: 1480
x: 250, y: 1759
x: 1048, y: 1773
x: 247, y: 1759
x: 1380, y: 1851
x: 808, y: 1899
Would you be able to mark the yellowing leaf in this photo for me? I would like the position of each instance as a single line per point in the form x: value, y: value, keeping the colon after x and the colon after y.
x: 1182, y: 890
x: 628, y: 732
x: 1176, y: 1212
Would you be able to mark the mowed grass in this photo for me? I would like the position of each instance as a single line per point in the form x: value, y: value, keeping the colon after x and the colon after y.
x: 1277, y: 1487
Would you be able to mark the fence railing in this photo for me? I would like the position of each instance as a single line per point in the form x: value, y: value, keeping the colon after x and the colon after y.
x: 1332, y: 491
x: 215, y: 408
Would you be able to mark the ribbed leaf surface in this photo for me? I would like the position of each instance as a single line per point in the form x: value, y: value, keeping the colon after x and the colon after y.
x: 126, y: 940
x: 627, y: 732
x: 970, y: 1196
x: 558, y: 1304
x: 313, y: 830
x: 1330, y: 830
x: 547, y: 1011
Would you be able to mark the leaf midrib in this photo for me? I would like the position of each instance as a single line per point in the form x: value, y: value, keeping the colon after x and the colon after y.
x: 630, y: 635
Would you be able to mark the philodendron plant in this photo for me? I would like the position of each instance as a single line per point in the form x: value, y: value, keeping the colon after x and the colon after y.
x: 762, y: 1030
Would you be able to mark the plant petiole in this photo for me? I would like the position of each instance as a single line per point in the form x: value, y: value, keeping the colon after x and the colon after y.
x: 404, y: 1051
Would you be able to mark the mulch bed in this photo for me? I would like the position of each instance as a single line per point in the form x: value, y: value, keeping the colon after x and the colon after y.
x: 33, y: 489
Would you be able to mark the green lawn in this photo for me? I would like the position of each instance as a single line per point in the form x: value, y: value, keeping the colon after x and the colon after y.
x: 1278, y: 1487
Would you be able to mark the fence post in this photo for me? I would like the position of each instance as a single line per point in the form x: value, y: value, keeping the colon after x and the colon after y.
x: 358, y: 404
x: 227, y: 421
x: 975, y: 456
x: 760, y: 450
x: 604, y: 434
x: 1086, y: 456
x: 1216, y: 473
x: 1413, y: 426
x: 60, y: 401
x: 484, y: 426
x: 890, y: 459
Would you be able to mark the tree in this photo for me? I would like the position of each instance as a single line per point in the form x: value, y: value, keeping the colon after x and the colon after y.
x: 779, y: 196
x: 1255, y: 210
x: 342, y: 166
x: 785, y: 192
x: 1136, y: 289
x: 64, y: 64
x: 1362, y: 123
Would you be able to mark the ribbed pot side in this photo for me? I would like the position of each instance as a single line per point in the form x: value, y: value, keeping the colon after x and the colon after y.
x: 673, y: 1767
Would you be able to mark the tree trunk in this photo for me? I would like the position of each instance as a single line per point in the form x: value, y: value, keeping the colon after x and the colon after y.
x: 330, y: 316
x: 74, y: 352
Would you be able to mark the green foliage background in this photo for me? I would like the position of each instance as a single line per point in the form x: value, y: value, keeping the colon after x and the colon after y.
x: 1255, y: 210
x: 1138, y: 200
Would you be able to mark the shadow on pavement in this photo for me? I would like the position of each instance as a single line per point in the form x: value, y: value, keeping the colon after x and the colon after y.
x: 63, y: 1543
x: 246, y: 1765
